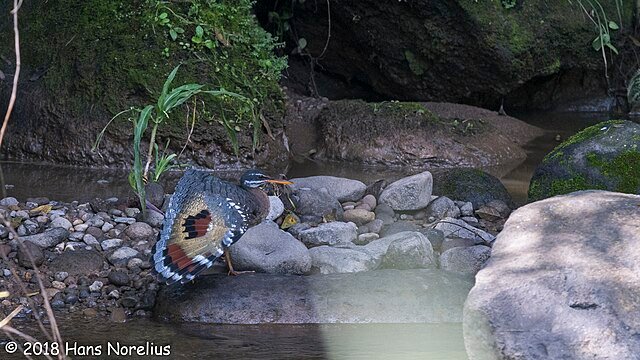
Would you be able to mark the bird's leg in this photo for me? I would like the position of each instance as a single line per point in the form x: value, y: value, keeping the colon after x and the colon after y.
x: 232, y: 272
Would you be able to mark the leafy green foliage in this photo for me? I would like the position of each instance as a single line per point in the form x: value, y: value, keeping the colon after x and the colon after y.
x: 633, y: 90
x: 508, y: 4
x: 224, y: 36
x: 157, y: 114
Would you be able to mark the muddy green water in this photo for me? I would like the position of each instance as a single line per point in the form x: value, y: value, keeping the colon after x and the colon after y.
x: 366, y: 341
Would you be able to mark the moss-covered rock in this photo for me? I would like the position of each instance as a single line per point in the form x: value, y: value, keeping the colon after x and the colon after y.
x: 395, y: 133
x: 604, y: 156
x: 474, y: 52
x: 473, y: 185
x: 84, y: 61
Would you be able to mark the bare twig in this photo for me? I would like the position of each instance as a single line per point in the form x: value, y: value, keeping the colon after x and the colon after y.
x: 12, y: 330
x: 55, y: 332
x: 193, y: 124
x: 14, y: 90
x: 15, y: 312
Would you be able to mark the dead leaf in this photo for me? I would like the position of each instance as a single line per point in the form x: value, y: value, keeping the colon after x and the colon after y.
x: 42, y: 209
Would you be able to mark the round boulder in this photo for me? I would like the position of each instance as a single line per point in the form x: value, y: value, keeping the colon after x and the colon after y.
x: 409, y: 193
x: 562, y: 282
x: 604, y: 156
x: 472, y: 185
x: 266, y: 248
x: 340, y: 188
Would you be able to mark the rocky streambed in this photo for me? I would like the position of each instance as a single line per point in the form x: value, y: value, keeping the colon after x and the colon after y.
x: 355, y: 252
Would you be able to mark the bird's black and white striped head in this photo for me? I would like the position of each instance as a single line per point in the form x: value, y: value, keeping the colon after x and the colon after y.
x: 255, y: 178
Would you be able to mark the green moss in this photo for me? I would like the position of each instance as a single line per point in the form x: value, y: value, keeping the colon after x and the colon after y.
x: 585, y: 134
x: 552, y: 68
x: 414, y: 64
x: 624, y: 169
x: 405, y: 110
x: 538, y: 190
x: 107, y: 55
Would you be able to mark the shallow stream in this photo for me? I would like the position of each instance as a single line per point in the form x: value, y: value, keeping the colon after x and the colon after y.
x: 366, y: 341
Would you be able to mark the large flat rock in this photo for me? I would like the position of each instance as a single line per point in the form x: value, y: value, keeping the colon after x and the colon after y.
x: 383, y: 296
x: 563, y: 282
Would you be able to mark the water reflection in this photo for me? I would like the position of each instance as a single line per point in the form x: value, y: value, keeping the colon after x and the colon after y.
x: 335, y: 341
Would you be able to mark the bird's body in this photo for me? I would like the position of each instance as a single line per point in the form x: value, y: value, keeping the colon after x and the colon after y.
x: 205, y: 216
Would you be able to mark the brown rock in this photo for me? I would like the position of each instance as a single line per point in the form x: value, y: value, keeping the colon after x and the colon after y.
x: 488, y: 213
x: 36, y: 254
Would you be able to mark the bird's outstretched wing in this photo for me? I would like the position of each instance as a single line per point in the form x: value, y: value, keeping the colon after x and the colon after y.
x: 201, y: 221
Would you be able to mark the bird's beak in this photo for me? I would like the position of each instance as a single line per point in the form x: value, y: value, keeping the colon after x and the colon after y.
x: 280, y: 182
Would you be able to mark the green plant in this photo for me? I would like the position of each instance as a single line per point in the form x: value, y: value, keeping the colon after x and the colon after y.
x: 508, y: 4
x: 224, y: 37
x: 596, y: 13
x: 633, y: 90
x: 162, y: 162
x: 155, y: 115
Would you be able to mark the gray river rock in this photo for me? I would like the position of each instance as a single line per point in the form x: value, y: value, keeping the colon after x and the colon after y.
x: 562, y: 282
x: 340, y: 188
x: 409, y: 193
x: 383, y: 296
x: 266, y: 248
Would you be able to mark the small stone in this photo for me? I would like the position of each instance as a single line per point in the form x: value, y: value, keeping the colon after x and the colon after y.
x: 132, y: 212
x: 61, y: 275
x: 81, y: 227
x: 140, y: 231
x: 370, y: 200
x: 49, y: 238
x: 118, y: 278
x: 359, y: 216
x: 465, y: 260
x: 96, y: 286
x: 124, y: 220
x: 77, y: 222
x: 58, y: 285
x: 51, y: 292
x: 442, y: 207
x: 9, y: 201
x: 36, y: 254
x: 57, y: 304
x: 115, y: 212
x: 95, y: 221
x: 90, y: 240
x: 6, y: 272
x: 363, y: 207
x: 466, y: 209
x: 366, y: 238
x: 61, y: 222
x: 330, y: 233
x: 115, y: 294
x: 385, y: 213
x: 122, y: 255
x: 96, y: 232
x: 276, y: 208
x: 106, y: 227
x: 71, y: 299
x: 89, y: 312
x: 501, y: 207
x: 155, y: 219
x: 110, y: 244
x: 128, y: 302
x: 76, y: 236
x: 134, y: 263
x: 488, y: 213
x: 471, y: 220
x: 72, y: 245
x: 410, y: 193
